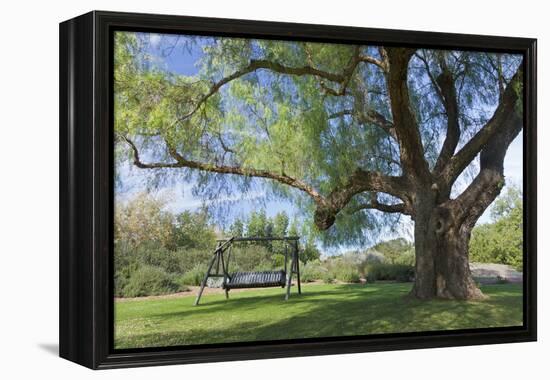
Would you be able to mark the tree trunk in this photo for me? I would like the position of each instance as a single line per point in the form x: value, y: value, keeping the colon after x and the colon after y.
x: 452, y: 266
x: 425, y: 248
x: 442, y: 265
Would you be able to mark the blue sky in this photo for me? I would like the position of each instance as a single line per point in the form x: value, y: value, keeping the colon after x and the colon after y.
x: 182, y: 60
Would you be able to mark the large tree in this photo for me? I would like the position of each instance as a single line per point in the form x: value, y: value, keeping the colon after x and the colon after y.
x: 346, y: 131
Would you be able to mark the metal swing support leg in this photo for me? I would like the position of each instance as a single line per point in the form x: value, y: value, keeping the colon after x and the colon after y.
x: 294, y: 269
x: 289, y: 280
x: 297, y: 267
x: 225, y: 269
x: 215, y: 257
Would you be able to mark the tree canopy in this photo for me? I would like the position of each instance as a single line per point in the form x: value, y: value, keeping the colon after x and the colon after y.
x: 334, y: 127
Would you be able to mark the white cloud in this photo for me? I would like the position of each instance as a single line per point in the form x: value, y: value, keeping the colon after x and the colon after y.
x: 184, y: 200
x: 154, y: 39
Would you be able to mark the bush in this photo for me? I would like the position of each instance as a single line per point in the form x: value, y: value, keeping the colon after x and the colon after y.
x: 188, y: 259
x: 372, y: 256
x: 328, y: 278
x: 348, y: 275
x: 371, y: 278
x: 121, y: 280
x: 264, y: 267
x: 501, y: 241
x: 148, y: 280
x: 194, y: 276
x: 251, y: 256
x: 312, y: 271
x: 497, y: 243
x: 182, y: 287
x: 279, y: 260
x: 345, y: 269
x: 407, y: 258
x: 157, y: 256
x: 390, y: 272
x: 393, y: 250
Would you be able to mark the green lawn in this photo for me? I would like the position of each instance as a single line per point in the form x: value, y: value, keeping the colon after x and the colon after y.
x: 321, y: 311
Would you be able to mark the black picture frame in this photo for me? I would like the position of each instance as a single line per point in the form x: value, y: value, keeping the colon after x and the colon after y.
x: 86, y: 190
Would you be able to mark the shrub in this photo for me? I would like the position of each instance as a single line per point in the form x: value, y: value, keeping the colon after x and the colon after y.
x: 393, y: 250
x: 148, y: 280
x: 279, y: 260
x: 311, y: 272
x: 265, y: 267
x: 194, y: 276
x: 501, y: 241
x: 251, y: 256
x: 372, y: 256
x: 348, y: 275
x: 157, y: 256
x: 121, y: 280
x: 182, y: 286
x: 188, y: 259
x: 345, y: 269
x: 371, y: 278
x: 328, y: 277
x: 407, y: 258
x: 390, y: 272
x: 497, y: 243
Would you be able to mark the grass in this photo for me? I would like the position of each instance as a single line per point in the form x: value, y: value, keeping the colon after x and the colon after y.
x: 321, y: 311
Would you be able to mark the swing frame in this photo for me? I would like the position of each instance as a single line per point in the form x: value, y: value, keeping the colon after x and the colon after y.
x: 222, y: 256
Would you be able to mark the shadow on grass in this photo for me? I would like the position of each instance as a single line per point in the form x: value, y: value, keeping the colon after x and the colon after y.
x: 338, y: 311
x: 240, y: 302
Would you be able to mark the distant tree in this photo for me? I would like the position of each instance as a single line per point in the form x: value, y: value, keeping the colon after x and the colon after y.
x: 502, y: 240
x: 143, y: 220
x: 269, y: 227
x: 310, y: 252
x: 508, y: 203
x: 393, y: 250
x: 293, y: 229
x: 280, y: 224
x: 237, y: 228
x: 192, y: 230
x: 257, y: 224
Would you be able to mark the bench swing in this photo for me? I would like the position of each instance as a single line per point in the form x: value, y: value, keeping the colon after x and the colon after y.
x: 218, y: 273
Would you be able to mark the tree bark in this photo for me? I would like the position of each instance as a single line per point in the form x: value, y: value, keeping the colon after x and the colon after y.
x: 442, y: 263
x: 452, y: 269
x: 425, y: 249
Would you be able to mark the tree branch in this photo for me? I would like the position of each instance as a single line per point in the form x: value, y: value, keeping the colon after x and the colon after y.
x: 257, y: 64
x: 370, y: 117
x: 346, y: 75
x: 445, y: 82
x: 374, y: 204
x: 472, y: 148
x: 404, y: 120
x: 360, y: 181
x: 381, y: 64
x: 181, y: 162
x: 483, y: 190
x: 326, y: 207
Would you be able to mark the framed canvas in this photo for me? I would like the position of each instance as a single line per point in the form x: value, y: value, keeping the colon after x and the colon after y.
x: 234, y: 189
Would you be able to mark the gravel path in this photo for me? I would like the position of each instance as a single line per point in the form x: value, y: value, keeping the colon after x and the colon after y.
x: 491, y: 273
x: 194, y: 290
x: 483, y: 273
